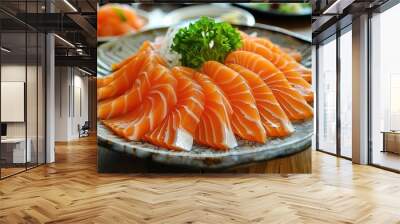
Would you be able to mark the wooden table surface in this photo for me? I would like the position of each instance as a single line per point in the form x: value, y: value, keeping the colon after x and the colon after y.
x: 109, y: 161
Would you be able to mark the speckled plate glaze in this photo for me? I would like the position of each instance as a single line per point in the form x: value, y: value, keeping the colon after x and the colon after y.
x: 200, y: 156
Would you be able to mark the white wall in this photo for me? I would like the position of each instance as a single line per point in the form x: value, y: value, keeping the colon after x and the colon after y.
x: 61, y: 103
x: 12, y: 73
x: 33, y: 127
x: 80, y: 84
x: 50, y: 92
x: 70, y: 83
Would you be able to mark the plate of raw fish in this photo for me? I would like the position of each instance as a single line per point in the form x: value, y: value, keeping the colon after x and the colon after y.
x: 116, y: 20
x: 162, y: 96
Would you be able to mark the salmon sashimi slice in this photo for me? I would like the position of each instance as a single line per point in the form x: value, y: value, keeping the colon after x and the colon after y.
x: 127, y: 75
x: 246, y: 121
x: 268, y: 44
x: 195, y: 74
x: 214, y: 128
x: 123, y: 79
x: 120, y: 105
x: 288, y: 67
x: 103, y: 81
x: 179, y: 127
x: 305, y: 72
x: 291, y: 101
x: 293, y: 53
x: 125, y: 103
x: 146, y: 46
x: 160, y: 99
x: 274, y: 119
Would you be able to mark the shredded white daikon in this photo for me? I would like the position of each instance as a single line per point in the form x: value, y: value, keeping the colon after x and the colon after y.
x: 254, y: 34
x: 173, y: 58
x: 165, y: 42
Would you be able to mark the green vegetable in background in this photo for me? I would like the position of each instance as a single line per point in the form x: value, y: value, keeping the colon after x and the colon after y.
x: 290, y: 8
x: 261, y: 6
x: 205, y: 40
x: 286, y: 8
x: 120, y: 13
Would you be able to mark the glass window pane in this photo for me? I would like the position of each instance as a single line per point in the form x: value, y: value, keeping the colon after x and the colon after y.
x: 346, y: 94
x: 23, y: 87
x: 31, y: 97
x: 327, y: 97
x: 13, y: 86
x: 41, y: 99
x: 385, y: 89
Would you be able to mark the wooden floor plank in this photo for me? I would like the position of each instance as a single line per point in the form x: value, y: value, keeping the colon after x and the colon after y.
x: 71, y: 191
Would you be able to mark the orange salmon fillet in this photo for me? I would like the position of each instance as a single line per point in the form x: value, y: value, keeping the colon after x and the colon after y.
x: 288, y: 67
x: 160, y: 99
x: 178, y: 128
x: 291, y: 101
x: 246, y: 121
x: 274, y: 119
x: 214, y: 128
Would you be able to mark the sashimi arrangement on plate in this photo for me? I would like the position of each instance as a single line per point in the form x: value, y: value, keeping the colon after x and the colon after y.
x: 206, y: 95
x: 116, y: 20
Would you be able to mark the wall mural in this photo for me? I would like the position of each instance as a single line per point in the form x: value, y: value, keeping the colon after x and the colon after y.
x: 209, y: 91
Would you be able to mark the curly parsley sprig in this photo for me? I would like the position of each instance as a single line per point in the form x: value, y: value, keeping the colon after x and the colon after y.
x: 205, y: 40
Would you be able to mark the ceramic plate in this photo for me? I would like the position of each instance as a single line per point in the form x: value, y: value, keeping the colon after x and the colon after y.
x: 305, y: 12
x: 142, y: 14
x: 200, y: 156
x: 216, y: 10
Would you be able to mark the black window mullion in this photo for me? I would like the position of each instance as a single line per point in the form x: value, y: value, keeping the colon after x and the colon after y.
x: 369, y: 79
x: 73, y: 92
x: 26, y: 87
x: 69, y: 92
x: 45, y: 87
x: 316, y: 96
x: 338, y: 74
x: 37, y: 90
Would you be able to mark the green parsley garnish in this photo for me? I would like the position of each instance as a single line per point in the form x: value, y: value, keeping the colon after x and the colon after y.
x: 205, y: 40
x: 120, y: 13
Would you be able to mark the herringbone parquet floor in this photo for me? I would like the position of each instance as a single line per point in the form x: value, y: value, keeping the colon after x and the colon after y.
x: 71, y: 191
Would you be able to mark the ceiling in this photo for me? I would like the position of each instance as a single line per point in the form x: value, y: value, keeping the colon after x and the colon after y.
x: 23, y: 21
x: 332, y: 15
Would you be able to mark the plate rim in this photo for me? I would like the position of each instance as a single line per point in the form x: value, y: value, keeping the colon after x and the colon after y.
x: 219, y: 153
x: 222, y: 160
x: 256, y: 25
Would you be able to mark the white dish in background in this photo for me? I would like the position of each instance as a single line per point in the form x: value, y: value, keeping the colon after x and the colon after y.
x: 140, y: 13
x: 229, y: 13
